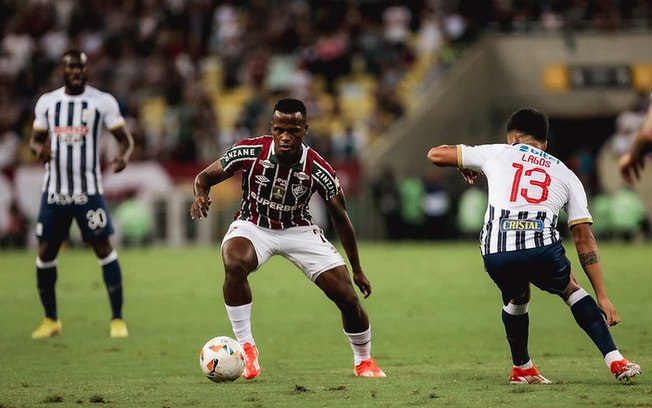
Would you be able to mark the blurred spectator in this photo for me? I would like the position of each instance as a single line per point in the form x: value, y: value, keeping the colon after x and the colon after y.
x: 16, y: 229
x: 430, y: 36
x: 9, y: 143
x: 387, y: 198
x: 348, y: 143
x: 582, y: 162
x: 470, y: 212
x: 436, y: 205
x: 396, y: 21
x: 135, y: 222
x: 628, y: 123
x: 627, y: 213
x: 412, y: 194
x: 602, y: 212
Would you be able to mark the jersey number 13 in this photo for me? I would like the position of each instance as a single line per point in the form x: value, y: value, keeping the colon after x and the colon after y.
x: 538, y: 180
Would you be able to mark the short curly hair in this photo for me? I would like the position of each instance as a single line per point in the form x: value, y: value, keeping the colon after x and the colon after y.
x: 530, y: 122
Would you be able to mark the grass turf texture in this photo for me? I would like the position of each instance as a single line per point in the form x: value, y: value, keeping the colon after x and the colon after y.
x: 436, y: 323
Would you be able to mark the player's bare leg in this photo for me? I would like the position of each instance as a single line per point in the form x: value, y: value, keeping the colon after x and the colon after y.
x: 239, y: 257
x: 336, y: 284
x: 112, y: 275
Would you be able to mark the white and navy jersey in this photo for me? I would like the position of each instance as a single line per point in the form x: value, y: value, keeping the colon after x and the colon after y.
x: 75, y: 124
x: 527, y: 189
x: 273, y: 195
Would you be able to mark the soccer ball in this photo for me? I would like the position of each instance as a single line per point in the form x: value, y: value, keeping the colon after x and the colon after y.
x: 222, y: 359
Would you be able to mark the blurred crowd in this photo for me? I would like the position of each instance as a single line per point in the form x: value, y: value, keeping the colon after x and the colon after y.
x: 194, y: 76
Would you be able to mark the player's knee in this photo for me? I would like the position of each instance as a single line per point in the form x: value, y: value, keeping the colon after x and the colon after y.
x: 574, y: 296
x: 236, y: 268
x: 572, y: 288
x: 102, y: 248
x: 348, y: 303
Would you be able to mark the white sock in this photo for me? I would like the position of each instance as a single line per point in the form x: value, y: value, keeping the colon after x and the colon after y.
x: 612, y: 356
x: 516, y: 310
x: 240, y: 317
x: 576, y: 296
x: 526, y: 365
x: 361, y: 345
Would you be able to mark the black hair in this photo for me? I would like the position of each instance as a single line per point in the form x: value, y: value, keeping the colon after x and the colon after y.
x: 290, y: 105
x: 530, y: 122
x: 80, y: 55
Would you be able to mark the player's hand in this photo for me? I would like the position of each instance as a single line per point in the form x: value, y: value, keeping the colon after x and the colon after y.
x: 629, y: 167
x: 199, y: 207
x: 119, y: 164
x: 42, y: 153
x: 470, y: 175
x: 362, y: 282
x: 609, y: 311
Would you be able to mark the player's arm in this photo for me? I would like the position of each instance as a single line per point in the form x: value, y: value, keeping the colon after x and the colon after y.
x: 632, y: 163
x: 207, y: 178
x: 340, y: 217
x: 449, y: 156
x: 39, y: 145
x: 587, y: 251
x: 125, y: 148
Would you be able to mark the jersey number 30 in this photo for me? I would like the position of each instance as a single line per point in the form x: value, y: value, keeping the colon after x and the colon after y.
x: 533, y: 177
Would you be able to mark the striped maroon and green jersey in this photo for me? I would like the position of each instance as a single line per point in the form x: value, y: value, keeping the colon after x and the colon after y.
x: 273, y: 195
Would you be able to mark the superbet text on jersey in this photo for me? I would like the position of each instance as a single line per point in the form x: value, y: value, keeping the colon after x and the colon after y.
x: 273, y: 195
x: 527, y: 189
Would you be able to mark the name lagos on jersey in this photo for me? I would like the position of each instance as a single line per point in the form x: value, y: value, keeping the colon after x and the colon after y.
x: 536, y: 156
x: 67, y: 199
x: 70, y: 135
x: 521, y: 225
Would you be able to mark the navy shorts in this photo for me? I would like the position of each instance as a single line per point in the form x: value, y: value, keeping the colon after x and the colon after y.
x: 547, y: 268
x: 57, y: 212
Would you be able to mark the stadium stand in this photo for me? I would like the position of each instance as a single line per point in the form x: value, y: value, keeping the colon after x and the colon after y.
x: 193, y: 76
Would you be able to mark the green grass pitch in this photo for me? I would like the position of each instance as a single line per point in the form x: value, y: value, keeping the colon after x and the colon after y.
x: 435, y: 314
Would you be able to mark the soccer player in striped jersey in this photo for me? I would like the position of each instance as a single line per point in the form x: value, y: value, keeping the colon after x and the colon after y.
x: 279, y: 175
x: 68, y: 124
x: 520, y: 243
x: 632, y: 163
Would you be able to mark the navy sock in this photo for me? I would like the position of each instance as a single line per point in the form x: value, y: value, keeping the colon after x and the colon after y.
x: 516, y: 328
x: 113, y: 281
x: 588, y: 316
x: 46, y: 277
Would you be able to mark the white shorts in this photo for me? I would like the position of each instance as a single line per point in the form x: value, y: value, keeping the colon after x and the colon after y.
x: 305, y: 246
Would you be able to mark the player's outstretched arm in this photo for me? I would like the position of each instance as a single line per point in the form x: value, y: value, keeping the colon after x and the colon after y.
x: 207, y: 178
x: 340, y: 217
x: 446, y: 156
x: 587, y: 251
x: 443, y: 156
x: 39, y: 145
x: 125, y: 148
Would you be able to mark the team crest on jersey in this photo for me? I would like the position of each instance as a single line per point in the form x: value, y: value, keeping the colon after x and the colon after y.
x: 301, y: 176
x: 262, y: 180
x: 278, y: 193
x: 85, y: 115
x: 521, y: 225
x: 298, y: 190
x: 267, y: 164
